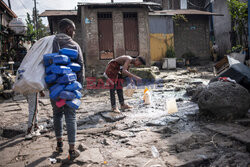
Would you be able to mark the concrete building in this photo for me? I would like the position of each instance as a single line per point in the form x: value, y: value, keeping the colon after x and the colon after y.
x: 180, y: 4
x: 221, y: 27
x: 6, y: 35
x: 191, y: 36
x: 110, y: 30
x: 54, y: 16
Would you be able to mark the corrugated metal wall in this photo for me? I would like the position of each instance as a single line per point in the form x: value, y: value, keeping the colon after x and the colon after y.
x: 161, y: 36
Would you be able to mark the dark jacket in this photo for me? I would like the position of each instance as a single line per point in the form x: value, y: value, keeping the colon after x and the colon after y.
x: 65, y: 41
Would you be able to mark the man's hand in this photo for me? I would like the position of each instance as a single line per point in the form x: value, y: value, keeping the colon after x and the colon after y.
x: 138, y: 79
x: 42, y: 94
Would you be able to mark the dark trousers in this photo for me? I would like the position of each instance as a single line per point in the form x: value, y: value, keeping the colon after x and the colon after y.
x: 119, y: 90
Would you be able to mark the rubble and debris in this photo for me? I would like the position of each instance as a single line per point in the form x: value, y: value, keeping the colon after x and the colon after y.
x: 224, y: 100
x: 145, y: 73
x: 229, y: 67
x: 126, y: 139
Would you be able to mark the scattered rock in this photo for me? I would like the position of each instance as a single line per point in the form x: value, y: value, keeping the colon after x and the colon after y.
x: 224, y: 100
x: 120, y: 134
x: 155, y: 70
x: 190, y: 90
x: 145, y: 73
x: 82, y: 147
x: 196, y: 93
x: 234, y: 131
x: 233, y: 159
x: 124, y: 153
x: 105, y: 142
x: 91, y: 155
x: 112, y: 116
x: 191, y: 158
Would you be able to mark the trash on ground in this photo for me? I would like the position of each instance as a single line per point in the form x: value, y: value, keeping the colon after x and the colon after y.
x: 172, y: 106
x: 147, y: 96
x: 52, y: 160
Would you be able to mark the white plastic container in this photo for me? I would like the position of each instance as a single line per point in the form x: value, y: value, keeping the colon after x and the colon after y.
x: 169, y: 63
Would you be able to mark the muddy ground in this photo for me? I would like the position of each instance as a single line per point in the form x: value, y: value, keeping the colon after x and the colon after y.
x: 146, y: 136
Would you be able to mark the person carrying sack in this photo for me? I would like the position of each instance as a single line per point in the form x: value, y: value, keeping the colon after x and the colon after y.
x: 64, y: 40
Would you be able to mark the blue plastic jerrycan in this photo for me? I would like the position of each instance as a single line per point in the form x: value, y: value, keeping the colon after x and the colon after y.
x: 61, y: 59
x: 72, y: 53
x: 74, y: 67
x: 73, y: 86
x: 48, y: 69
x: 48, y: 58
x: 53, y: 87
x: 75, y: 104
x: 56, y: 91
x: 50, y: 78
x: 67, y: 95
x: 78, y: 94
x: 67, y: 78
x: 61, y: 70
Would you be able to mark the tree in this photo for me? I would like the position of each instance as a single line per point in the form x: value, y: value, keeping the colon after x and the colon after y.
x: 239, y: 14
x: 32, y: 34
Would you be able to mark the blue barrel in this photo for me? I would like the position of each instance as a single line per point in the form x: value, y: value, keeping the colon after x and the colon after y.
x: 75, y: 104
x: 67, y: 78
x: 61, y: 59
x: 74, y: 67
x: 50, y: 78
x: 73, y: 86
x: 56, y: 91
x: 78, y: 94
x: 72, y: 53
x: 48, y: 58
x: 67, y: 95
x: 61, y: 70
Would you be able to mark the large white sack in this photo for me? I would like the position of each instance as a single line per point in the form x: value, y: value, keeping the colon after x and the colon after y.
x: 31, y: 73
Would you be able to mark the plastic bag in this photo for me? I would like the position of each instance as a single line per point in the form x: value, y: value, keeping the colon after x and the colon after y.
x: 31, y: 73
x: 129, y: 90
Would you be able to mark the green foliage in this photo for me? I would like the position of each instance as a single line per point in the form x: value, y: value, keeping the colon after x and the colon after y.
x: 32, y: 34
x: 236, y: 49
x: 239, y: 14
x: 170, y: 53
x: 179, y: 18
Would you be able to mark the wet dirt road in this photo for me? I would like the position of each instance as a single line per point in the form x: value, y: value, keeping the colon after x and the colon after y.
x: 146, y: 136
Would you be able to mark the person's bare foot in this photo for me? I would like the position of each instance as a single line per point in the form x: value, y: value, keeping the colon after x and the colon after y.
x: 116, y: 110
x: 126, y: 106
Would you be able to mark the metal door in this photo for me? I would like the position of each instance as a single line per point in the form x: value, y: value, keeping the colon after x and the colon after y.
x: 130, y: 23
x: 105, y: 33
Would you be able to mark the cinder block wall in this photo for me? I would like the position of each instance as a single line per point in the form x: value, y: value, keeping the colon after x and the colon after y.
x: 192, y: 36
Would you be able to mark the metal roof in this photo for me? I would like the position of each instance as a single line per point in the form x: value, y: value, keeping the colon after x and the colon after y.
x: 58, y: 13
x: 183, y: 12
x: 118, y: 4
x: 10, y: 12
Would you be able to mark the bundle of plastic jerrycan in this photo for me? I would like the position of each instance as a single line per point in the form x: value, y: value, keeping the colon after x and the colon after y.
x: 48, y: 58
x: 60, y: 69
x: 74, y: 67
x: 61, y: 77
